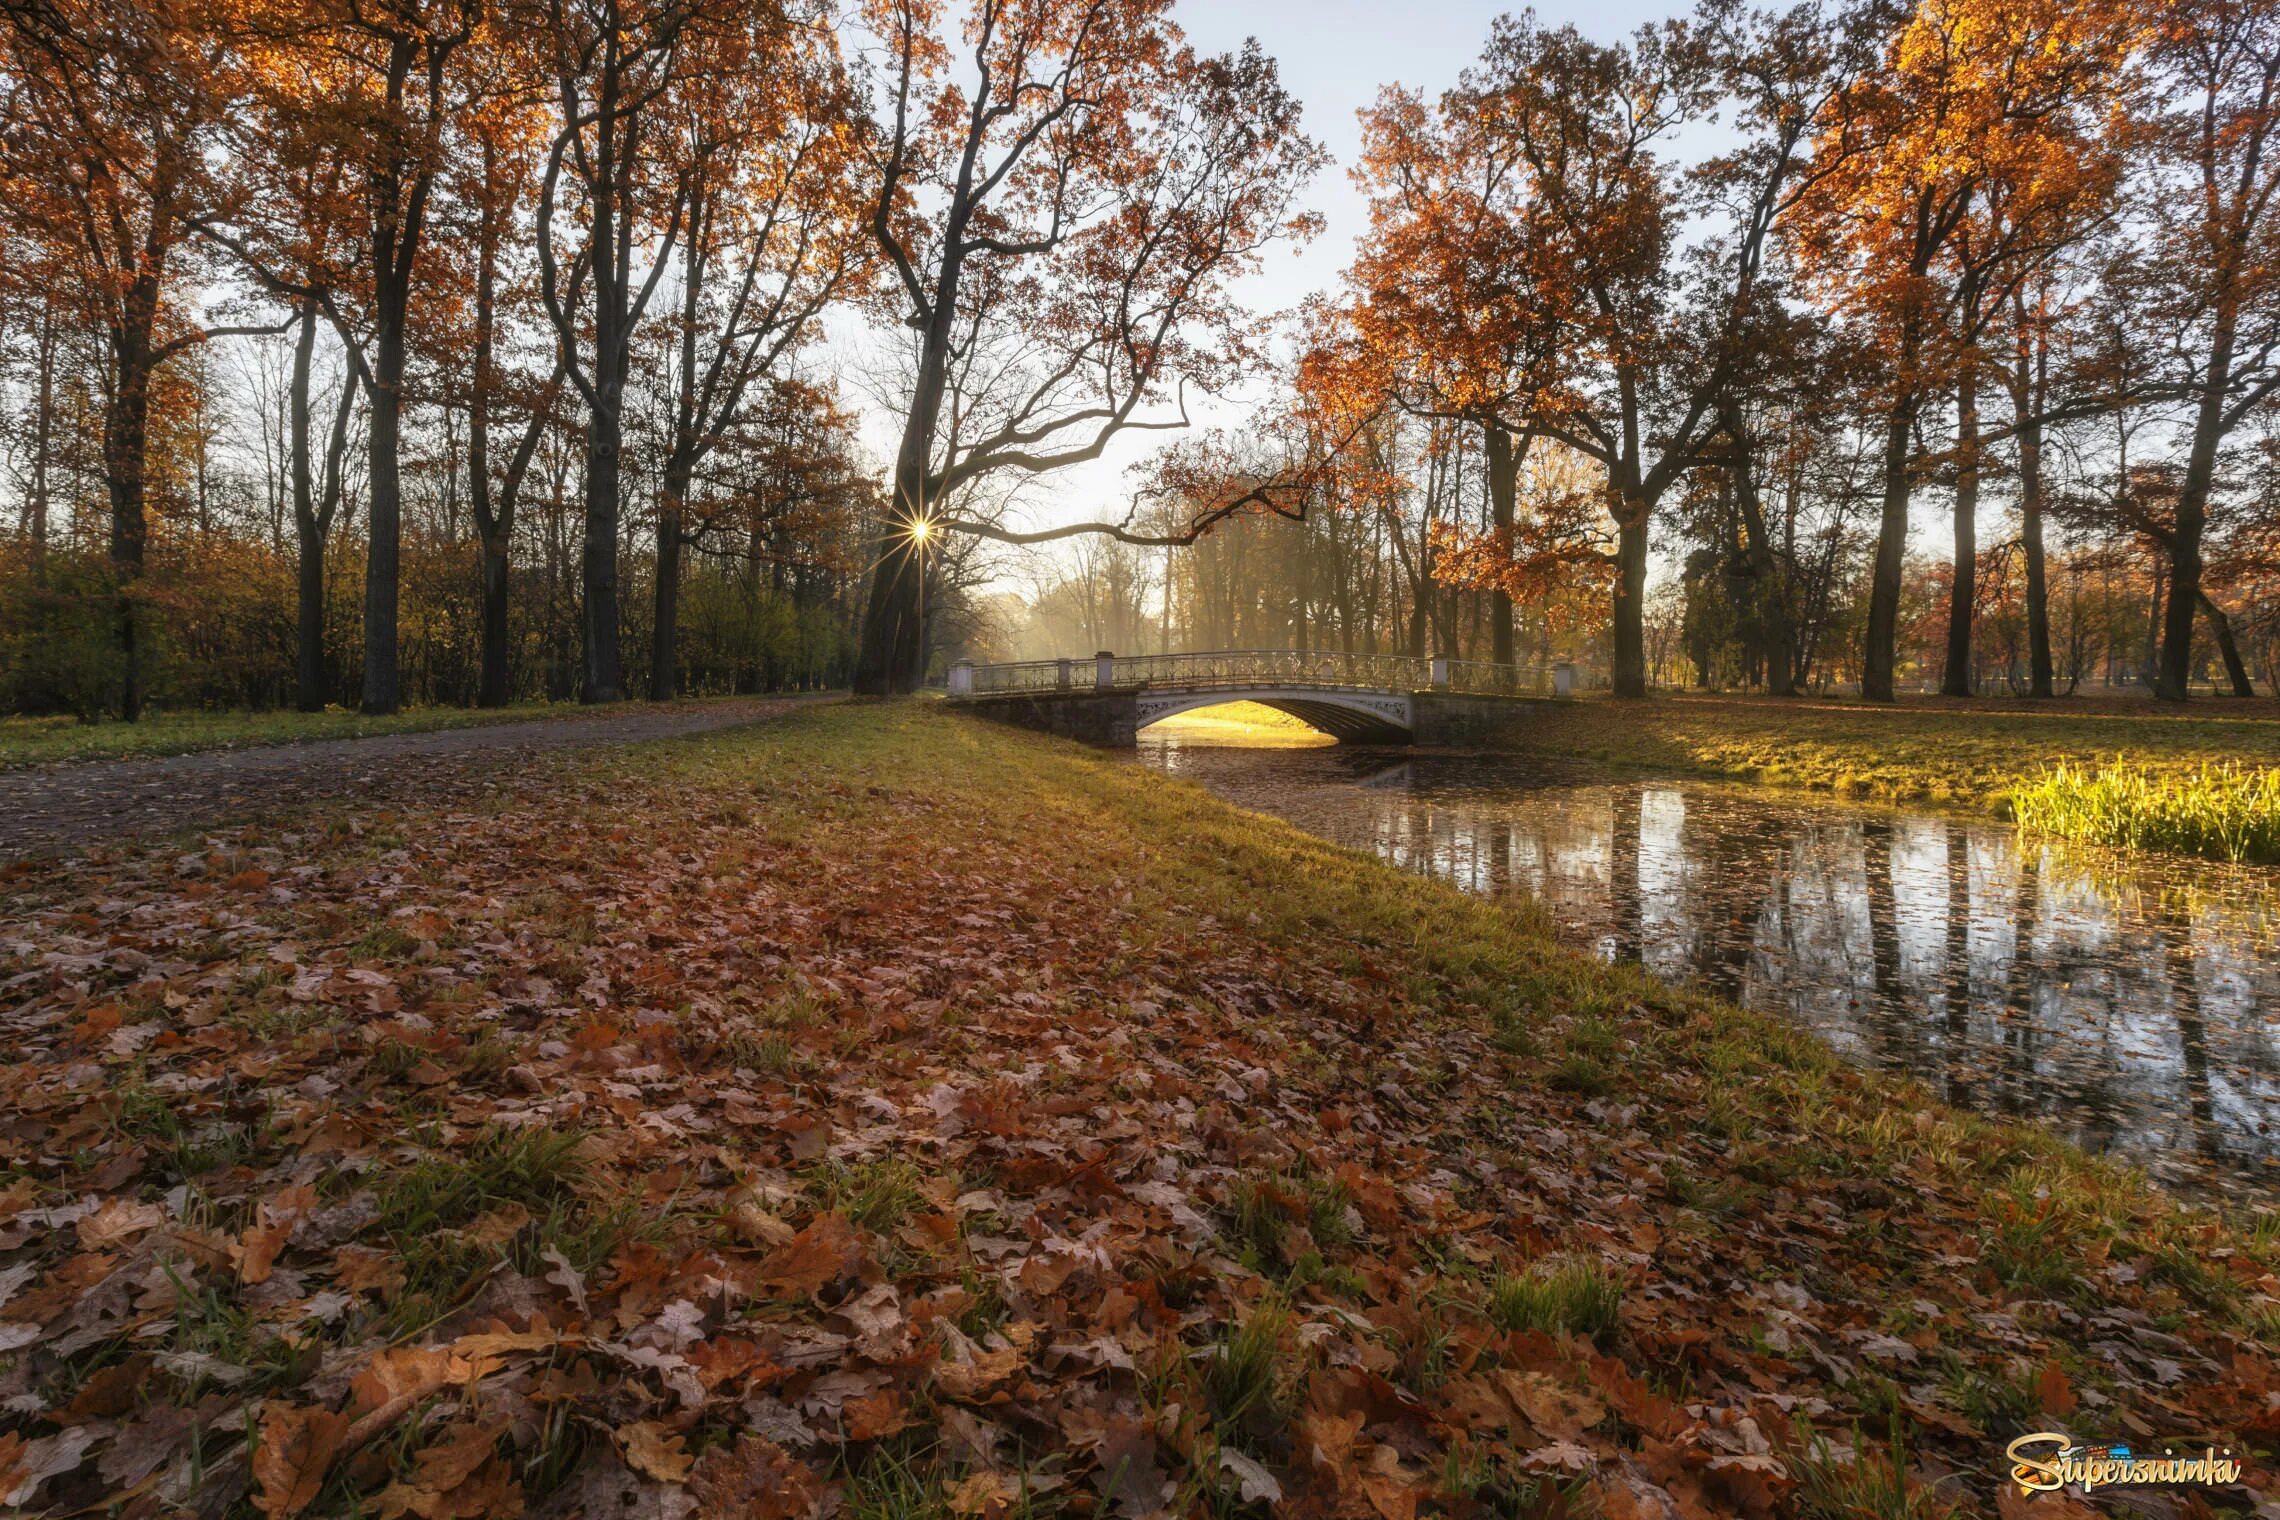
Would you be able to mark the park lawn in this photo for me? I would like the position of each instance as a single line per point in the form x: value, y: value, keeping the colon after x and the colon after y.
x: 885, y: 1113
x: 62, y: 739
x: 1973, y: 755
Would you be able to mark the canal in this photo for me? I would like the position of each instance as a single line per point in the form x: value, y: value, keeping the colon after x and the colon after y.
x: 2129, y: 1002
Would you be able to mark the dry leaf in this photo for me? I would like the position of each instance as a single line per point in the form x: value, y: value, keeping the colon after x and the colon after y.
x: 652, y: 1450
x: 294, y: 1450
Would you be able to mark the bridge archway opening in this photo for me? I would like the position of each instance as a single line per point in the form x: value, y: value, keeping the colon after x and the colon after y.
x: 1357, y: 718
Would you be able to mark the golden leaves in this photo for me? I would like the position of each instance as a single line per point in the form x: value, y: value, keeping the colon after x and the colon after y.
x: 654, y: 1451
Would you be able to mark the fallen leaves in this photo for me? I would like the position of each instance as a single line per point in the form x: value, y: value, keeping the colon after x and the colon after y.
x: 292, y: 1455
x: 757, y: 1183
x: 823, y: 1253
x: 653, y: 1450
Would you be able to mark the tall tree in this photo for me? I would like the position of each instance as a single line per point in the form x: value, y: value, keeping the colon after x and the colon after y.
x: 776, y: 229
x: 2217, y: 64
x: 317, y: 495
x: 1456, y: 304
x: 616, y: 64
x: 1079, y: 200
x: 112, y: 110
x: 1973, y: 97
x: 1652, y: 341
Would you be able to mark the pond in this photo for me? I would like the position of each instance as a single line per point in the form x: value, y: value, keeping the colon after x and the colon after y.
x: 2129, y: 1002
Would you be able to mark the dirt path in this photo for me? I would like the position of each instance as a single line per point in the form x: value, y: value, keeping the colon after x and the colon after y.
x: 56, y: 809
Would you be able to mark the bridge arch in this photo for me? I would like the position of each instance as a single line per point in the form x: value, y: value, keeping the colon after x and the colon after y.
x: 1357, y: 717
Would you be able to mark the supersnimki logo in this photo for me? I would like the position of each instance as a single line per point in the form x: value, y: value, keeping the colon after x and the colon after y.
x: 2048, y: 1460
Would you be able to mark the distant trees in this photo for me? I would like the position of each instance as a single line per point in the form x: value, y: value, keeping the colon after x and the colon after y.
x: 506, y: 314
x: 371, y: 185
x: 1066, y: 195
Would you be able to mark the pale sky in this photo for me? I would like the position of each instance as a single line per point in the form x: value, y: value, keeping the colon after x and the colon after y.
x: 1335, y: 55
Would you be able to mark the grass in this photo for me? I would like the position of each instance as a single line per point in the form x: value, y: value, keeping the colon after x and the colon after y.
x: 1564, y: 1294
x: 2224, y: 812
x: 952, y: 904
x: 60, y: 739
x: 1973, y: 754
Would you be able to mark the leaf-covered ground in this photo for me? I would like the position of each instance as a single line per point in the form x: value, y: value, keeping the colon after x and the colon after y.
x: 1974, y: 753
x: 888, y: 1116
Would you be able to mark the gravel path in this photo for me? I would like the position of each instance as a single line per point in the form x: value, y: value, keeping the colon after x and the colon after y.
x: 55, y: 809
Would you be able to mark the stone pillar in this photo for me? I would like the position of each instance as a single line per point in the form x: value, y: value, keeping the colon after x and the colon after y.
x: 1563, y: 679
x: 962, y: 679
x: 1063, y: 673
x: 1440, y: 672
x: 1104, y: 669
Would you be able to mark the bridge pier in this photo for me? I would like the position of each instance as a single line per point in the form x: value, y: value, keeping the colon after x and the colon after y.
x: 1103, y: 719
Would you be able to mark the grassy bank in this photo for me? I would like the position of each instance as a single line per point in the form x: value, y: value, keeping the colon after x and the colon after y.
x: 1971, y: 754
x: 47, y: 741
x: 2223, y: 812
x: 890, y: 1111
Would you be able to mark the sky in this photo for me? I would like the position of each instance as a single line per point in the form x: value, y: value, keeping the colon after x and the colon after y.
x: 1335, y: 55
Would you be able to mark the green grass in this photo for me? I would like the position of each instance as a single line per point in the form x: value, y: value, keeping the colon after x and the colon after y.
x: 45, y: 741
x: 1927, y: 750
x: 2224, y: 812
x: 1565, y: 1294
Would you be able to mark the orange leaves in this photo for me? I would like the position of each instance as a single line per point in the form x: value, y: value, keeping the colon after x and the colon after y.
x: 654, y: 1451
x: 826, y: 1251
x: 256, y: 1252
x: 1021, y: 1241
x: 752, y: 1478
x: 295, y: 1450
x: 458, y: 1476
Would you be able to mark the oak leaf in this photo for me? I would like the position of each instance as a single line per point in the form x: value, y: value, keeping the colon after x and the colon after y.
x: 827, y: 1250
x: 295, y: 1449
x: 754, y: 1479
x: 655, y: 1452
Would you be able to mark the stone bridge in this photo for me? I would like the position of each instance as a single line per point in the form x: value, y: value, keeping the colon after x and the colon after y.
x: 1361, y: 698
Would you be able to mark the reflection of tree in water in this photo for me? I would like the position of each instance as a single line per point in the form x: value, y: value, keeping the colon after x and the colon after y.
x: 1627, y: 905
x: 1956, y: 993
x: 2014, y: 979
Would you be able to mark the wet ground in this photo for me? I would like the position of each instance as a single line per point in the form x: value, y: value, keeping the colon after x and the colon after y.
x: 2130, y: 1002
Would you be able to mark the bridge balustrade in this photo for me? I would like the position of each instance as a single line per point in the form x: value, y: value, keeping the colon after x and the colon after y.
x: 1239, y: 668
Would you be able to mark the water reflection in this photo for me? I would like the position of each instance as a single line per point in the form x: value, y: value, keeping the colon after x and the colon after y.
x: 2129, y: 1003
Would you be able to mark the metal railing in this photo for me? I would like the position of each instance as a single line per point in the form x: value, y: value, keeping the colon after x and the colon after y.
x: 1234, y: 669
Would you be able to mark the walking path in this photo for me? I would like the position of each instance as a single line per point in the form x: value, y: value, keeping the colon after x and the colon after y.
x: 56, y: 809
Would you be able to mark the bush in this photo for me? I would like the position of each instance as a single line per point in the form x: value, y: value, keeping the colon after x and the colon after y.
x: 59, y: 640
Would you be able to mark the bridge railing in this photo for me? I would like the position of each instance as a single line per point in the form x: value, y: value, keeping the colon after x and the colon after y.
x: 1237, y: 668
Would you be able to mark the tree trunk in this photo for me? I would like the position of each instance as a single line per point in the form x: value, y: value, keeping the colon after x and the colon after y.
x: 2193, y: 515
x: 494, y: 688
x: 308, y: 532
x: 1631, y: 601
x: 664, y: 646
x: 1963, y: 593
x: 1766, y: 567
x: 598, y: 560
x: 1879, y: 657
x: 891, y: 660
x: 43, y: 429
x: 1503, y: 491
x: 126, y: 430
x: 2220, y: 629
x: 2027, y: 392
x: 383, y: 685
